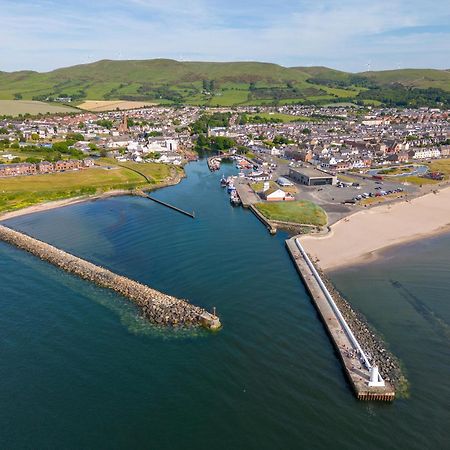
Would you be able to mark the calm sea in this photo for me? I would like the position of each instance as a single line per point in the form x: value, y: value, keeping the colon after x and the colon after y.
x: 80, y: 369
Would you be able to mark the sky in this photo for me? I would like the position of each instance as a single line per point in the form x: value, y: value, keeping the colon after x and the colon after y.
x: 349, y: 35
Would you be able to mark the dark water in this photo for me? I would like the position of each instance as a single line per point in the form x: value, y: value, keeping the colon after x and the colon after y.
x: 79, y: 369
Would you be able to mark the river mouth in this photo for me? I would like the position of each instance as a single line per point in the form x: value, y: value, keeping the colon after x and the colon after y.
x: 78, y: 373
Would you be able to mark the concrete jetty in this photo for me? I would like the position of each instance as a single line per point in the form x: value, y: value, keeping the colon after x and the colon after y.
x: 263, y: 220
x: 157, y: 307
x: 363, y: 376
x: 246, y: 194
x: 167, y: 205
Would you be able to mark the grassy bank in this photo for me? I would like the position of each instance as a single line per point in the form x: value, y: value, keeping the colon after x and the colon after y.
x: 302, y: 212
x: 21, y: 192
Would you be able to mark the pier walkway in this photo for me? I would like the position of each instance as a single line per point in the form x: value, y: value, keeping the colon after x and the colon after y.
x: 246, y: 193
x: 157, y: 307
x: 140, y: 193
x: 364, y: 378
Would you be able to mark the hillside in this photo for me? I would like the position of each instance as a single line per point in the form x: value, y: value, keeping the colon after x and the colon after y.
x: 224, y: 84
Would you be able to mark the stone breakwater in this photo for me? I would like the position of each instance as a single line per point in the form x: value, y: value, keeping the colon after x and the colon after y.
x: 157, y: 307
x: 370, y: 342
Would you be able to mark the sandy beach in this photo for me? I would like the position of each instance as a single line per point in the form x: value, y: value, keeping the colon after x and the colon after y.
x: 359, y: 237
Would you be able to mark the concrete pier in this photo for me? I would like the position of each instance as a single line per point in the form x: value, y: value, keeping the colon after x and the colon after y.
x: 140, y: 193
x: 364, y: 377
x: 263, y: 220
x: 246, y: 194
x: 157, y: 307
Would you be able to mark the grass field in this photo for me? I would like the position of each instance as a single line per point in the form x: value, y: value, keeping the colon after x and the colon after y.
x: 441, y: 165
x: 103, y: 105
x: 157, y: 172
x: 20, y: 192
x: 258, y: 187
x: 169, y: 81
x: 347, y: 179
x: 376, y: 200
x: 418, y: 180
x: 16, y: 107
x: 302, y: 212
x: 286, y: 118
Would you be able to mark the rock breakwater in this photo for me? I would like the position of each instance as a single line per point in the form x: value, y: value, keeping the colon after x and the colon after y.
x: 370, y: 341
x: 157, y: 307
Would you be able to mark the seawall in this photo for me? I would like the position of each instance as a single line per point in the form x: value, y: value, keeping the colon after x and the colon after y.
x: 157, y: 307
x: 359, y: 365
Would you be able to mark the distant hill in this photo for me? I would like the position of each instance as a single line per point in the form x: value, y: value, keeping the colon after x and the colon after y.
x: 226, y: 84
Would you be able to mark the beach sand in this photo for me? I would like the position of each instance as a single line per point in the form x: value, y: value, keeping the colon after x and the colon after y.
x: 359, y: 237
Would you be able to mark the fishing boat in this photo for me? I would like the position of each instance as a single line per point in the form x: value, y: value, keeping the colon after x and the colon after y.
x: 223, y: 181
x: 234, y: 199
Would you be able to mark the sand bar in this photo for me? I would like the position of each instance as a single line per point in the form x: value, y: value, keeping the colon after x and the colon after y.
x: 360, y: 236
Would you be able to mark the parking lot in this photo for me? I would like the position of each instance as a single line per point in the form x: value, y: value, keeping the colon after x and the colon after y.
x: 338, y: 201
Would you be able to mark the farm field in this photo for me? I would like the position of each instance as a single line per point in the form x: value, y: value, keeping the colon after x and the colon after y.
x: 105, y: 105
x: 164, y: 81
x: 16, y: 107
x: 301, y: 212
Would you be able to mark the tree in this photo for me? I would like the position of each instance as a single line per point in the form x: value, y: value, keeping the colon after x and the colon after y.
x: 75, y: 137
x: 17, y: 96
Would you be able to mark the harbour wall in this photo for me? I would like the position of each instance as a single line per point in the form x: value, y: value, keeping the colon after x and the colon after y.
x: 358, y: 362
x: 158, y: 308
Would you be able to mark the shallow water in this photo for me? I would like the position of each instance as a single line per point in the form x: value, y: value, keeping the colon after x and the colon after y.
x: 79, y: 368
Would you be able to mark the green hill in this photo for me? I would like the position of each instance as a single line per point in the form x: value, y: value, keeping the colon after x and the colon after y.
x: 224, y: 84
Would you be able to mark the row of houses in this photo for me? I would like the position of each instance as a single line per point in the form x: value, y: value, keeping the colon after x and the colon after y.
x: 20, y: 169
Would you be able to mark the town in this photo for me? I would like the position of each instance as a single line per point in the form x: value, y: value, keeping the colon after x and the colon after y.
x: 342, y: 153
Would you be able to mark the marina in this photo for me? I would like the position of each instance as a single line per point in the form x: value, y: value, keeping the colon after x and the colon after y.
x: 272, y: 370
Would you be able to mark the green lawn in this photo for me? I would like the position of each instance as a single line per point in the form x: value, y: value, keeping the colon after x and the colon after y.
x: 156, y: 172
x: 348, y: 179
x: 441, y: 165
x: 418, y: 180
x: 258, y: 187
x: 20, y: 192
x: 302, y: 212
x: 286, y: 118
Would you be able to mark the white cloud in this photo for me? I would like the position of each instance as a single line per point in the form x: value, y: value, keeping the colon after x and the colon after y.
x: 346, y: 34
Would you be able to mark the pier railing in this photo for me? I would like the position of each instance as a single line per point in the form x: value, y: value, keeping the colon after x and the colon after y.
x: 333, y: 306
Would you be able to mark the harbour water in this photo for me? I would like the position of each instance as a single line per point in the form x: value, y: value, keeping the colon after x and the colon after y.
x: 80, y: 369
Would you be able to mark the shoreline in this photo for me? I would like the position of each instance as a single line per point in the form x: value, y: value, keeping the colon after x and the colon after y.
x: 362, y: 237
x: 47, y: 206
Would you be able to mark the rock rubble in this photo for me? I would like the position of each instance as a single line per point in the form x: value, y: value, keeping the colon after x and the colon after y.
x: 370, y: 342
x: 157, y: 307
